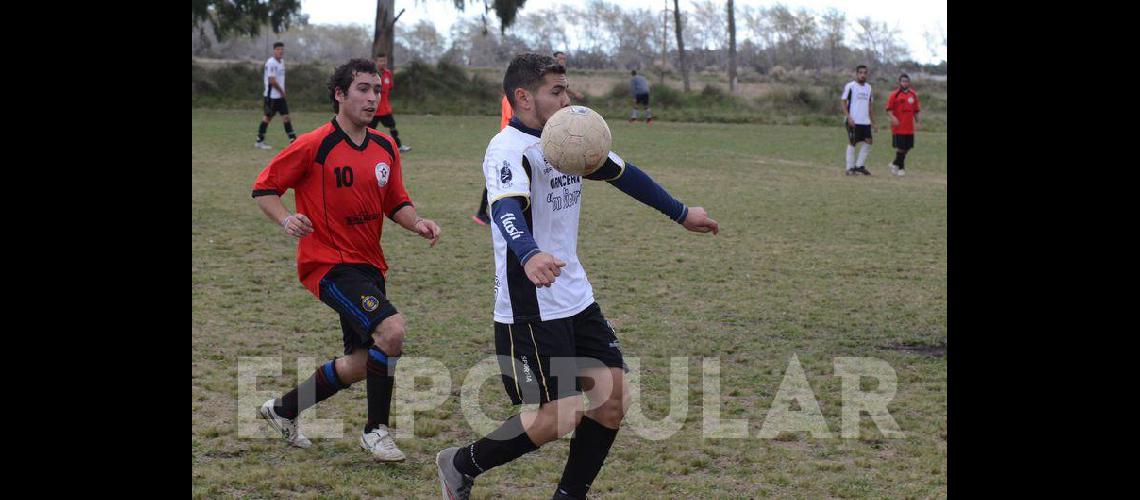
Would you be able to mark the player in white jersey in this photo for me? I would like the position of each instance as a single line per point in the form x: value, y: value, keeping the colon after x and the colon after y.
x: 273, y: 97
x: 551, y: 337
x: 856, y: 98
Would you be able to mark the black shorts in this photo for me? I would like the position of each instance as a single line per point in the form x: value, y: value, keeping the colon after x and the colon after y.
x: 274, y: 106
x: 387, y: 120
x: 641, y: 99
x: 902, y: 141
x: 858, y: 133
x: 356, y: 292
x: 538, y: 359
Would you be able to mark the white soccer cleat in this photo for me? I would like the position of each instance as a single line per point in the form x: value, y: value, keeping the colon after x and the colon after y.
x: 405, y: 149
x: 287, y: 428
x: 902, y: 172
x: 894, y: 168
x: 261, y: 145
x: 380, y: 444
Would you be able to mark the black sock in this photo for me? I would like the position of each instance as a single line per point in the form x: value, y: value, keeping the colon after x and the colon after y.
x: 320, y: 386
x: 588, y: 449
x: 396, y: 136
x: 483, y: 205
x: 289, y: 130
x: 381, y: 374
x: 901, y: 160
x: 506, y: 443
x: 261, y: 131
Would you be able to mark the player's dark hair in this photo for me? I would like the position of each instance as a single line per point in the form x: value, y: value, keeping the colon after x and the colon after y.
x: 633, y: 72
x: 278, y: 44
x: 381, y: 54
x: 558, y: 53
x: 527, y: 71
x: 859, y: 67
x: 904, y: 75
x: 343, y: 75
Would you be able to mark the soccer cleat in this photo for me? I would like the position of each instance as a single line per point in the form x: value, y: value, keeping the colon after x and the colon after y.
x: 405, y: 149
x: 287, y: 428
x: 862, y: 170
x: 481, y: 219
x: 261, y: 145
x: 380, y: 444
x: 850, y: 172
x: 454, y: 485
x: 894, y: 168
x: 902, y: 172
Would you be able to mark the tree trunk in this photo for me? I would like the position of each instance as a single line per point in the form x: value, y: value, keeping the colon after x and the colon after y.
x: 731, y: 47
x: 681, y: 44
x: 384, y: 37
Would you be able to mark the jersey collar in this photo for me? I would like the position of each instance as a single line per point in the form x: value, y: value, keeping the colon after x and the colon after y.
x: 518, y: 125
x: 347, y: 139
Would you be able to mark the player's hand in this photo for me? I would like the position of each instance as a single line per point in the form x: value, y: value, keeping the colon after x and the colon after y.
x: 698, y: 221
x: 917, y: 125
x: 850, y: 122
x: 543, y: 268
x: 428, y: 229
x: 894, y: 122
x: 297, y: 225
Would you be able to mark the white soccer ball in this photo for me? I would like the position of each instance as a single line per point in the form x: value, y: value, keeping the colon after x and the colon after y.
x: 576, y: 140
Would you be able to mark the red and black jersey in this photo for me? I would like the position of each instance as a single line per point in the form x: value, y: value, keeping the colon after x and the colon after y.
x: 904, y: 105
x: 345, y: 190
x: 386, y: 84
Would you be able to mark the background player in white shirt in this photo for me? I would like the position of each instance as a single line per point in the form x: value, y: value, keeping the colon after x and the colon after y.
x: 552, y: 339
x: 274, y: 96
x: 857, y: 97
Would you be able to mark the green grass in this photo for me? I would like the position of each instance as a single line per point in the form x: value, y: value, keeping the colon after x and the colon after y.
x: 809, y: 262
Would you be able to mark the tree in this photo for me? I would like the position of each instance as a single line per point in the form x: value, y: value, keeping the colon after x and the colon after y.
x: 244, y: 17
x: 731, y: 47
x: 834, y: 29
x: 505, y: 10
x: 680, y: 44
x: 384, y: 34
x: 882, y: 41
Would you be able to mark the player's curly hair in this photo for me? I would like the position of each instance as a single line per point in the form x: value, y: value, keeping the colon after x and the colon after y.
x: 343, y: 75
x: 526, y: 71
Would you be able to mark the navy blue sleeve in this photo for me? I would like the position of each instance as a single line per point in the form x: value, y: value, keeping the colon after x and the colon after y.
x: 508, y: 215
x: 641, y: 187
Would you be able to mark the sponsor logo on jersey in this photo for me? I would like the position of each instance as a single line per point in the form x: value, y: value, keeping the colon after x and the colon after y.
x: 509, y: 224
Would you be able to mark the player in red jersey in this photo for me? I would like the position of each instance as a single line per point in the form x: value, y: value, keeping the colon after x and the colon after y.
x: 346, y: 179
x: 903, y: 108
x: 384, y: 110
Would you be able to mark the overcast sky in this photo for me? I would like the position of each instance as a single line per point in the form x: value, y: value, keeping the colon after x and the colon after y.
x: 910, y: 17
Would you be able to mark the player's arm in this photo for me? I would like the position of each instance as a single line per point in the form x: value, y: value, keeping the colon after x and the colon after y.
x: 846, y: 104
x: 541, y: 268
x: 282, y: 173
x: 891, y: 110
x: 296, y: 225
x: 407, y: 218
x: 916, y: 112
x: 638, y: 185
x: 273, y: 81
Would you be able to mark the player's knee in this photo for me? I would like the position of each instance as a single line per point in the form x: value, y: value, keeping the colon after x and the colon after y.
x: 611, y: 412
x: 389, y: 334
x: 352, y: 368
x: 285, y: 118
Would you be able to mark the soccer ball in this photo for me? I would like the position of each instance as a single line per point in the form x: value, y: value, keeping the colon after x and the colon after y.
x: 576, y: 140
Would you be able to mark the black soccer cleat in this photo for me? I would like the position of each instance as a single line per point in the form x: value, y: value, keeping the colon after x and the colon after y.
x: 862, y: 170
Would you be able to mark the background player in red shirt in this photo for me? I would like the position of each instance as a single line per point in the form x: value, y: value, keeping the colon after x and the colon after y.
x: 384, y: 110
x: 346, y: 178
x: 903, y: 108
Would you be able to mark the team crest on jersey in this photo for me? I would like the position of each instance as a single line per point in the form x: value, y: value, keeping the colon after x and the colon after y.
x: 505, y: 175
x: 910, y: 100
x: 369, y: 302
x: 382, y: 172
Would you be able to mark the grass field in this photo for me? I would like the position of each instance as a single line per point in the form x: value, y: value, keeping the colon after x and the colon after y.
x: 809, y: 262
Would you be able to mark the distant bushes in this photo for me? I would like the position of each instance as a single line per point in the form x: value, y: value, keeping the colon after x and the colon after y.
x: 448, y: 89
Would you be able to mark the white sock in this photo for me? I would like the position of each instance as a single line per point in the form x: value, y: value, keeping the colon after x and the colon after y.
x: 850, y: 157
x: 864, y: 149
